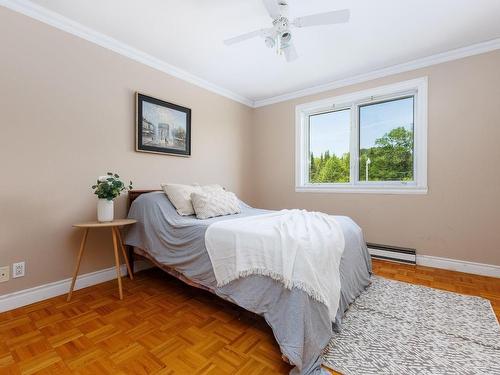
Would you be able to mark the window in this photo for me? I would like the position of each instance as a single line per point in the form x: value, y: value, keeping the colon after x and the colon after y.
x: 369, y: 141
x: 386, y: 140
x: 329, y: 135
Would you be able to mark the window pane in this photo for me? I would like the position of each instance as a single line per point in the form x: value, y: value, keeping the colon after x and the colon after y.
x: 386, y: 141
x: 329, y: 135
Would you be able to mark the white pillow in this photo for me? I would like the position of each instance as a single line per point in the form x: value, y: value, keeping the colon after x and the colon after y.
x: 211, y: 188
x: 180, y: 195
x: 217, y: 203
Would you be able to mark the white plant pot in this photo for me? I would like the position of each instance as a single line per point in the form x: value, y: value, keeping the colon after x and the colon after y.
x: 105, y: 210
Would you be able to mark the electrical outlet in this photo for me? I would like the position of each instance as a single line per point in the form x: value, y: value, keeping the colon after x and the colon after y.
x: 17, y: 270
x: 4, y: 274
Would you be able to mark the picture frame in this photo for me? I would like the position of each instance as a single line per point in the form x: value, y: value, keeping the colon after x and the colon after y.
x: 162, y: 127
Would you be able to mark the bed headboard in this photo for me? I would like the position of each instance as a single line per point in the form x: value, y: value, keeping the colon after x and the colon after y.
x: 133, y: 194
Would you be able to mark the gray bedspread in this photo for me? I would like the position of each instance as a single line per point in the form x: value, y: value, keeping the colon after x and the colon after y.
x: 300, y: 325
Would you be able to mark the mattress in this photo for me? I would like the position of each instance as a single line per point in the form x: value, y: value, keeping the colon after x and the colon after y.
x: 301, y: 325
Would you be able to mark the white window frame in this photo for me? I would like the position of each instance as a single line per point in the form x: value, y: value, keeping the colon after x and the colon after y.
x: 415, y: 87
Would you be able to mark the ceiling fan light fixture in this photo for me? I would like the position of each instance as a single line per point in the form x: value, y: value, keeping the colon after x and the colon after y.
x: 270, y: 42
x: 278, y: 36
x: 286, y: 37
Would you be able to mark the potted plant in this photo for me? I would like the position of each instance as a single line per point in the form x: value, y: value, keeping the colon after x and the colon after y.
x: 107, y: 189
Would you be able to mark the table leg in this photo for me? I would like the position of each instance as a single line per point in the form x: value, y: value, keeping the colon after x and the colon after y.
x: 120, y: 241
x: 117, y: 262
x: 78, y: 261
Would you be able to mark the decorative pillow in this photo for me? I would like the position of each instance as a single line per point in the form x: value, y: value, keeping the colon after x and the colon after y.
x: 212, y: 188
x: 218, y: 203
x: 180, y: 195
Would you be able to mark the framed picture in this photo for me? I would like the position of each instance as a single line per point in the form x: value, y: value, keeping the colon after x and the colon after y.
x: 162, y: 127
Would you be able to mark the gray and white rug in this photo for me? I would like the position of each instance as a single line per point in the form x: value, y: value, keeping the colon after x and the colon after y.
x: 400, y: 328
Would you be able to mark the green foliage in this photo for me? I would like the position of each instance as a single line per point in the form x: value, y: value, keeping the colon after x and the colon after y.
x: 391, y: 159
x: 110, y: 186
x: 329, y: 168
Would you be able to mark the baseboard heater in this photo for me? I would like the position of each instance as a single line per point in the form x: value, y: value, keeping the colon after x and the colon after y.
x: 393, y: 253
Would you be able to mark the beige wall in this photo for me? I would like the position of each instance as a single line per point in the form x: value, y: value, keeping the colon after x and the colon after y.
x: 67, y: 112
x: 67, y: 115
x: 460, y: 216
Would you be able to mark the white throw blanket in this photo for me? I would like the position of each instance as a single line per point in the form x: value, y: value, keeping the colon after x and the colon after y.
x: 300, y: 249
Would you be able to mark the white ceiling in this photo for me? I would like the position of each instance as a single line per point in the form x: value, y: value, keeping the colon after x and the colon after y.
x: 188, y: 34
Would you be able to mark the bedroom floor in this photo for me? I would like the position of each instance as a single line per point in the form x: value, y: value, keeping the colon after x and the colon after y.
x: 165, y: 327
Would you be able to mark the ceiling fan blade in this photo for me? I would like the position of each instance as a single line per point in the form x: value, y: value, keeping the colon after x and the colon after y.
x: 290, y: 52
x: 243, y: 37
x: 272, y: 8
x: 327, y: 18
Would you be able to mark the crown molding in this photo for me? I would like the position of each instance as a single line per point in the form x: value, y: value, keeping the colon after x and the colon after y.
x: 439, y: 58
x: 63, y: 23
x: 54, y: 19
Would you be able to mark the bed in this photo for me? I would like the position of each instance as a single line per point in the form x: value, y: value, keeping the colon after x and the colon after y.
x: 301, y: 325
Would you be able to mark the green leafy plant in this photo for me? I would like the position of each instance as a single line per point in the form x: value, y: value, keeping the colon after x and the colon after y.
x: 391, y: 159
x: 110, y: 186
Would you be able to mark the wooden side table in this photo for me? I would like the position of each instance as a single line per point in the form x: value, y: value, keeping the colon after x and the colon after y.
x: 117, y: 242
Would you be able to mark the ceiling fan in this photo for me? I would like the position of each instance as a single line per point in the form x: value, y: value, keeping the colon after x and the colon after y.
x: 279, y: 35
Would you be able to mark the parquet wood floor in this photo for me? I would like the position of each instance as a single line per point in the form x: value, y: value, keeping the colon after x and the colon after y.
x: 165, y: 327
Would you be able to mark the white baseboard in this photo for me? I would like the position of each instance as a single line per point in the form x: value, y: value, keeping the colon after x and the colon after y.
x: 459, y: 265
x: 39, y: 293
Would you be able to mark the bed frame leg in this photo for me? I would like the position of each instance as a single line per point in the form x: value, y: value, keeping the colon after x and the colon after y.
x: 131, y: 258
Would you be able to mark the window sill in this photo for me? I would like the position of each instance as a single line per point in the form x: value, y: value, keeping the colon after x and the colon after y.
x: 362, y: 189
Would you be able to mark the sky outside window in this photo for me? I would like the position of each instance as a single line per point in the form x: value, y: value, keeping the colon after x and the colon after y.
x: 330, y: 135
x: 386, y: 141
x: 330, y: 132
x: 376, y: 120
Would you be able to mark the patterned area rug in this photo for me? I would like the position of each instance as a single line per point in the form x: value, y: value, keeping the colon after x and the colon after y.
x: 400, y: 328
